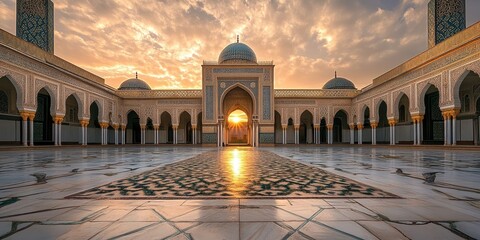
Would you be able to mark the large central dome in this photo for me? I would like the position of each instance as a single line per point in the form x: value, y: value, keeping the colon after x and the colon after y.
x: 237, y: 53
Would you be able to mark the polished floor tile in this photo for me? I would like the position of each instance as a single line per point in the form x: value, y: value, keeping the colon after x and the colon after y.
x: 274, y: 193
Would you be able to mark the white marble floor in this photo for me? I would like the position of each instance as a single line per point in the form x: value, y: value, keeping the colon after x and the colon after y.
x: 446, y: 209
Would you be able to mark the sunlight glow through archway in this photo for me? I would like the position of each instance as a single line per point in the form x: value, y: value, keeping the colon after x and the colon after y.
x: 237, y: 117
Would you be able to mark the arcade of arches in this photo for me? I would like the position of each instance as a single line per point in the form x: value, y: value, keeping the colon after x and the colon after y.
x: 434, y: 98
x: 430, y: 126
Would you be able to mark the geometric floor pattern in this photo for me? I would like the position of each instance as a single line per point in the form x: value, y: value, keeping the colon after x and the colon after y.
x: 238, y: 173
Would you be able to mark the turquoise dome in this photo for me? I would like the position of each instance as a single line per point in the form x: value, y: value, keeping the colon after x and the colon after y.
x: 339, y: 83
x: 237, y: 53
x: 134, y: 84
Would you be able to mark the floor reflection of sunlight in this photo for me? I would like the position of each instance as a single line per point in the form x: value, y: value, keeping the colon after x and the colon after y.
x: 236, y: 162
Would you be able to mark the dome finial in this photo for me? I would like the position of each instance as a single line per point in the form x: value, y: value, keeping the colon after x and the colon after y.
x: 136, y: 75
x: 238, y: 38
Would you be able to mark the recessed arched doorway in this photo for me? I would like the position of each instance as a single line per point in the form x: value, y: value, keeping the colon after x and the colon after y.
x: 237, y: 128
x: 238, y: 109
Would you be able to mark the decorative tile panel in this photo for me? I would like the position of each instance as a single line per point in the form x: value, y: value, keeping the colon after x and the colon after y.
x: 209, y: 138
x: 266, y: 137
x: 35, y: 22
x: 209, y: 102
x: 445, y: 18
x: 266, y: 103
x: 238, y: 70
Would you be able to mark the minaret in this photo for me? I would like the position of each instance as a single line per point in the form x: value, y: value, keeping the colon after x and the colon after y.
x: 445, y: 19
x: 35, y: 23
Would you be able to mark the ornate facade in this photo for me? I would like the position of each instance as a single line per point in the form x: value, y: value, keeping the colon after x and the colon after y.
x: 434, y: 98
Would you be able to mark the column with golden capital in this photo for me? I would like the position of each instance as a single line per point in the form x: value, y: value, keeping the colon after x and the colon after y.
x: 25, y: 115
x: 57, y: 120
x: 124, y: 128
x: 143, y: 128
x: 374, y: 126
x: 155, y: 133
x: 330, y: 133
x: 104, y: 134
x: 284, y: 133
x: 352, y: 133
x: 31, y: 117
x: 115, y: 128
x: 297, y: 133
x: 360, y: 133
x: 175, y: 133
x: 454, y: 113
x: 417, y: 128
x: 84, y: 125
x: 316, y: 133
x: 392, y: 122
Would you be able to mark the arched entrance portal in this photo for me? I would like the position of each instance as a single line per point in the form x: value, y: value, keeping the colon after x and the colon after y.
x: 238, y: 111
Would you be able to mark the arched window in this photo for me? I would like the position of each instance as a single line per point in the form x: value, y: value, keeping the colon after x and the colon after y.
x: 402, y: 114
x: 290, y: 121
x: 466, y: 104
x: 3, y: 102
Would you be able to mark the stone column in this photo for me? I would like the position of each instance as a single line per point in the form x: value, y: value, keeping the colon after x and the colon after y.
x: 420, y: 129
x: 55, y: 131
x: 59, y: 120
x: 142, y: 133
x: 155, y: 133
x: 445, y: 128
x: 124, y: 128
x: 374, y: 132
x: 475, y: 130
x: 454, y: 114
x: 414, y: 120
x: 392, y: 123
x: 104, y: 126
x: 84, y: 125
x: 330, y: 133
x: 417, y: 127
x: 194, y: 134
x: 175, y: 136
x: 31, y: 116
x: 360, y: 135
x: 352, y: 133
x: 115, y: 128
x: 297, y: 135
x: 24, y: 116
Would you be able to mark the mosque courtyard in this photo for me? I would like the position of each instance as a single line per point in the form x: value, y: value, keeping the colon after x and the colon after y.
x: 183, y: 192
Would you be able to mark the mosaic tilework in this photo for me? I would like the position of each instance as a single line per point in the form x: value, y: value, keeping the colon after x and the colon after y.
x: 266, y: 103
x: 234, y: 173
x: 445, y: 18
x: 35, y: 22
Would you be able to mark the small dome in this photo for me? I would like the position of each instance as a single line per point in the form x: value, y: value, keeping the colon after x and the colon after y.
x: 134, y: 84
x: 237, y: 53
x: 339, y: 83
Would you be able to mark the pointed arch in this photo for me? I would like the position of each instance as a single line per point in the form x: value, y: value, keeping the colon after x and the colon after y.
x: 247, y: 90
x: 166, y: 127
x: 306, y: 127
x: 133, y: 132
x: 278, y: 127
x: 19, y: 91
x: 185, y: 127
x: 467, y: 75
x: 340, y: 123
x: 53, y: 99
x: 80, y: 104
x: 429, y: 87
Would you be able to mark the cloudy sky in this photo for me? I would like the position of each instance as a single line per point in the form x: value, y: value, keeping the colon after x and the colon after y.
x: 166, y: 41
